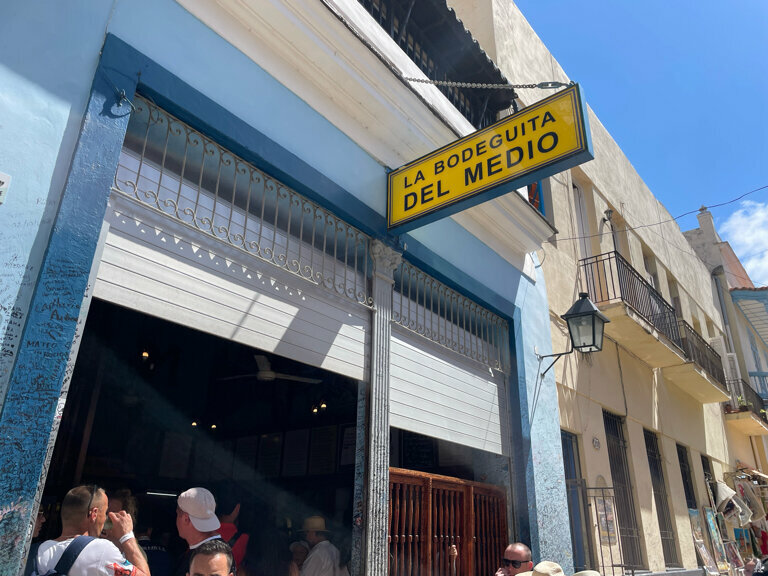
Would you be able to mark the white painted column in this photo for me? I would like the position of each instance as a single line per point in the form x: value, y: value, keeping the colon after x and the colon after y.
x: 385, y: 261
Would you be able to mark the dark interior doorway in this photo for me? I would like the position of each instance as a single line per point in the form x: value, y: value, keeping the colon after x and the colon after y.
x: 157, y: 408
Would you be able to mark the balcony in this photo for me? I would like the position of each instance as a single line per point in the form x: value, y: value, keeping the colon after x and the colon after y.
x: 746, y: 412
x: 433, y: 37
x: 641, y: 320
x: 702, y: 376
x: 759, y: 381
x: 645, y: 323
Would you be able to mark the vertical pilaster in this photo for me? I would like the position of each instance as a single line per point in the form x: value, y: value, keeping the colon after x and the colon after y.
x: 540, y: 494
x: 37, y: 388
x: 385, y: 261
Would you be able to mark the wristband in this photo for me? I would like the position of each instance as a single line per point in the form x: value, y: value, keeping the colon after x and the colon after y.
x: 125, y: 537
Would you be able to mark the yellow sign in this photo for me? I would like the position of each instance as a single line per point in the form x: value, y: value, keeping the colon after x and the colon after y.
x: 543, y: 139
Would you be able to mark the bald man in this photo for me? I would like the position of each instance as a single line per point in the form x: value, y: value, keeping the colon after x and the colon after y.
x: 83, y: 513
x: 517, y: 559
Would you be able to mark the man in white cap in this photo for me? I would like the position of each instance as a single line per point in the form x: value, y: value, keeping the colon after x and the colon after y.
x: 196, y: 522
x: 323, y: 557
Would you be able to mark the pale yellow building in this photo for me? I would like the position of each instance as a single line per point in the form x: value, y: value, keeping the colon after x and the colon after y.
x: 644, y: 423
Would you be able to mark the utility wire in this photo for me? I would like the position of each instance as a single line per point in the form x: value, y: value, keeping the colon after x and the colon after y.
x: 558, y: 239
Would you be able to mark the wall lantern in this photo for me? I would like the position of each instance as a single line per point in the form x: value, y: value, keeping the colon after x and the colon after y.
x: 586, y: 326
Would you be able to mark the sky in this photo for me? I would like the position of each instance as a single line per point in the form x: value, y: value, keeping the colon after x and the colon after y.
x: 682, y: 86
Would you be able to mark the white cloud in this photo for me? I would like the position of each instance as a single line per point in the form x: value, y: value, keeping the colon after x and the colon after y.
x: 746, y: 230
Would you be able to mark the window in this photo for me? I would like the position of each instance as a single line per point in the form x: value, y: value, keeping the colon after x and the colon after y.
x: 622, y: 486
x: 649, y: 263
x: 666, y: 529
x: 574, y: 485
x: 674, y: 295
x: 582, y: 221
x: 709, y: 478
x: 685, y: 472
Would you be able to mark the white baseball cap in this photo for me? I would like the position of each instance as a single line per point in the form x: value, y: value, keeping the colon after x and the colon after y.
x: 201, y: 507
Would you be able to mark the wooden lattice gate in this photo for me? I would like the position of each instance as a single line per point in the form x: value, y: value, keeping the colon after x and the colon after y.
x: 429, y: 514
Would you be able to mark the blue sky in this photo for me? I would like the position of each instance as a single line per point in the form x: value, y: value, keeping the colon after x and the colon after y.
x: 682, y: 86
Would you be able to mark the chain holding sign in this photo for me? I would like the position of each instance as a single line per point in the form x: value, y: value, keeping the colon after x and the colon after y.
x: 548, y: 137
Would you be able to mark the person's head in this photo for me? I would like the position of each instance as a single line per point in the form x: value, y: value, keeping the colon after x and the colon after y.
x: 84, y: 509
x: 299, y: 551
x: 123, y: 499
x: 517, y: 559
x: 313, y: 530
x: 547, y: 568
x: 146, y: 520
x: 212, y: 558
x: 196, y: 515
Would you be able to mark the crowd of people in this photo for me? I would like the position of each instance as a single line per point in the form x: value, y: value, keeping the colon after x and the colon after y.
x: 103, y: 535
x: 517, y: 561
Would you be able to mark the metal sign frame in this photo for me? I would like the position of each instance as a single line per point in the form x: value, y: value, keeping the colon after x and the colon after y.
x: 533, y: 156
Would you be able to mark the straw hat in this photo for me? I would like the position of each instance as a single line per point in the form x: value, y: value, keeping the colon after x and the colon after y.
x: 545, y: 568
x: 314, y: 524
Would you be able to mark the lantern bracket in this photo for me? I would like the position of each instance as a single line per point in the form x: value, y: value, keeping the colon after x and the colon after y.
x: 556, y: 358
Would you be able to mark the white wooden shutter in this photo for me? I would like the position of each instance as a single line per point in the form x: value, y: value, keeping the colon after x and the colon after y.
x: 438, y: 393
x: 162, y: 268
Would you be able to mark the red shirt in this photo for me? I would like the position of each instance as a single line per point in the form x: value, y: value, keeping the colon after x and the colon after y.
x: 227, y: 531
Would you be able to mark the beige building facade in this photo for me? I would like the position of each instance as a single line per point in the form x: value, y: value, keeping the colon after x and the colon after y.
x: 647, y: 421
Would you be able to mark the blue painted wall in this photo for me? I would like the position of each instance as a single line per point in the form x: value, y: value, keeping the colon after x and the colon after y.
x: 48, y: 63
x: 48, y: 54
x: 539, y: 476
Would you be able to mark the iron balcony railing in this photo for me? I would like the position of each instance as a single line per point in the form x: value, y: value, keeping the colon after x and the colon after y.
x: 396, y: 18
x: 697, y: 349
x: 744, y: 396
x: 171, y: 168
x: 759, y: 381
x: 609, y: 277
x: 426, y: 306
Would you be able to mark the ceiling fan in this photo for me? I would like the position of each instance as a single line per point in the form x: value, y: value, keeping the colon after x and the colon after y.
x: 266, y: 374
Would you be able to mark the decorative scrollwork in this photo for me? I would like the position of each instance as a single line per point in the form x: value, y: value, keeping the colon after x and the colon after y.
x: 222, y: 195
x: 429, y: 308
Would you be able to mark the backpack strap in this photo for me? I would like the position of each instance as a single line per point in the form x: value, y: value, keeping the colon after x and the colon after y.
x: 72, y: 551
x: 234, y: 538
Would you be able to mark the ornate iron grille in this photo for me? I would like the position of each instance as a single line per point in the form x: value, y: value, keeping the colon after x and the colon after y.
x: 666, y: 529
x: 428, y: 307
x: 168, y: 166
x: 622, y: 488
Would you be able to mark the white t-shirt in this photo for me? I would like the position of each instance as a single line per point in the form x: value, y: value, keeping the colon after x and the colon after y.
x: 99, y: 558
x: 322, y: 560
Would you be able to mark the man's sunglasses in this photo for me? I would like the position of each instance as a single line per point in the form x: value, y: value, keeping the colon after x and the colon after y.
x: 513, y: 563
x: 94, y: 490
